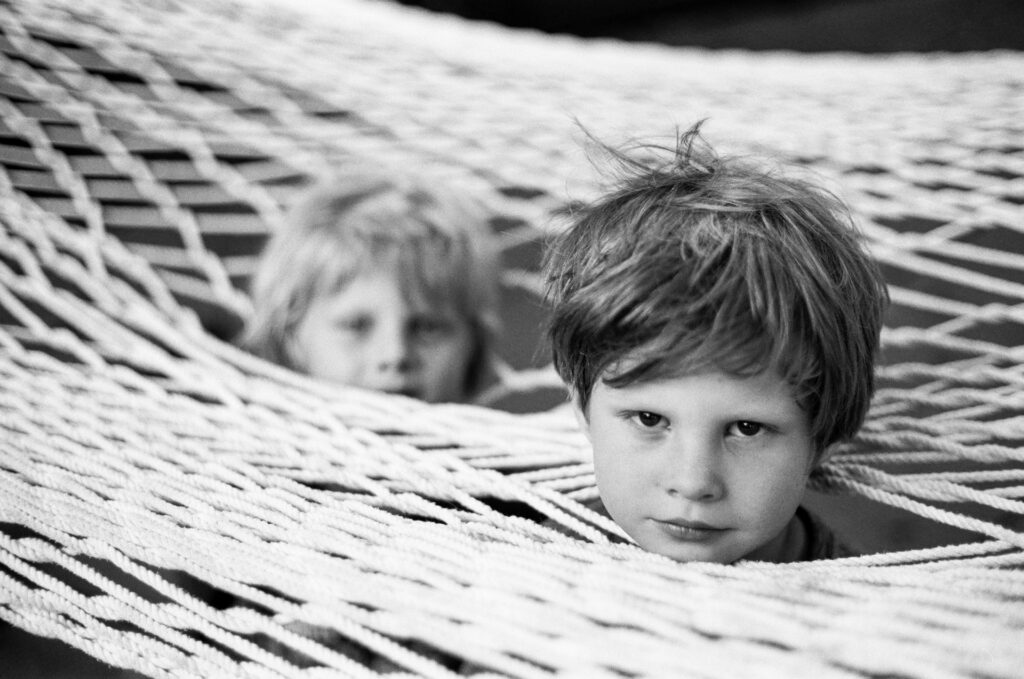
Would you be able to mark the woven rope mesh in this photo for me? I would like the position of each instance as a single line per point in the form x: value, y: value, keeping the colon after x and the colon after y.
x: 171, y: 505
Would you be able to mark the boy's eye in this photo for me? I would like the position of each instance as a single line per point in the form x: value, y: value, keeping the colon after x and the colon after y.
x: 354, y: 324
x: 649, y: 420
x: 429, y: 326
x: 746, y: 428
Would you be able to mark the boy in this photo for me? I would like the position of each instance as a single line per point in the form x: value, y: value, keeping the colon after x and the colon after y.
x: 378, y: 281
x: 716, y: 324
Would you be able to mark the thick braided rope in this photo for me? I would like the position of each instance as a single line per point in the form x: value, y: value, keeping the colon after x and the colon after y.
x: 144, y: 462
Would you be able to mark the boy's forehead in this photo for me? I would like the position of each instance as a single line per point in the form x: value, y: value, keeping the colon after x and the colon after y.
x: 420, y: 285
x: 358, y: 291
x: 666, y: 368
x: 709, y: 393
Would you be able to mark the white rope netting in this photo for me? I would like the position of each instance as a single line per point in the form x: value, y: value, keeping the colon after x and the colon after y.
x: 171, y: 505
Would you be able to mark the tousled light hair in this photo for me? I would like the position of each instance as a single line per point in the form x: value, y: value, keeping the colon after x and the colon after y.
x: 695, y: 262
x: 363, y: 217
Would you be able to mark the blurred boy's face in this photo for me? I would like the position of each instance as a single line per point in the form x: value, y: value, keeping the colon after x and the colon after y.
x: 705, y: 467
x: 370, y: 335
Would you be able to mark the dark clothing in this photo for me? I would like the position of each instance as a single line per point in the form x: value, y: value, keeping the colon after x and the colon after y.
x: 821, y: 543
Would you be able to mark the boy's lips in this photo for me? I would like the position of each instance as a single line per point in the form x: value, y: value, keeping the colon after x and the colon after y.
x: 404, y: 391
x: 690, y: 531
x: 398, y: 388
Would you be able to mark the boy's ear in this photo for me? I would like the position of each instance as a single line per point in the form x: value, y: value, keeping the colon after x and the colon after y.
x: 293, y: 353
x: 822, y: 457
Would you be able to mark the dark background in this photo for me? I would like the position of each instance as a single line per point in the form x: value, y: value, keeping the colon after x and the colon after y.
x: 871, y: 26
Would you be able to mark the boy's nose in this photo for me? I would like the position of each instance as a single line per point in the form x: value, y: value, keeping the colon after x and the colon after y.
x: 393, y: 350
x: 693, y: 472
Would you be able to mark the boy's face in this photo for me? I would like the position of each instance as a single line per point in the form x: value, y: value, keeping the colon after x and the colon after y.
x: 369, y: 334
x: 705, y: 467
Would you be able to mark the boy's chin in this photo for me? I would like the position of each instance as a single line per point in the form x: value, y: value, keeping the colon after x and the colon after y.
x: 726, y: 547
x: 717, y: 549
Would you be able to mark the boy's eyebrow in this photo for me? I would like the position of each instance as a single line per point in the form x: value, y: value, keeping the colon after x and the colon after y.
x: 349, y: 311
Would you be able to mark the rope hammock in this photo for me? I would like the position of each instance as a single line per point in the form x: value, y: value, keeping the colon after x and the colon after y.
x: 148, y: 469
